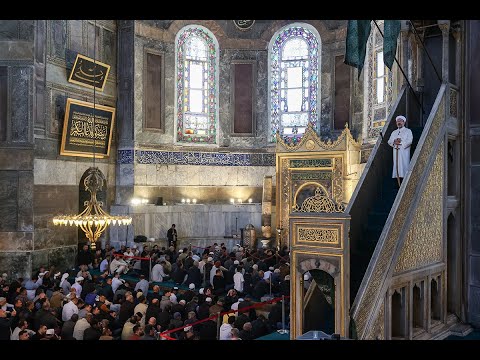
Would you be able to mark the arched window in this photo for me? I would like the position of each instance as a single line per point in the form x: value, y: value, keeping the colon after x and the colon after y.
x: 294, y: 57
x: 196, y: 110
x: 379, y: 84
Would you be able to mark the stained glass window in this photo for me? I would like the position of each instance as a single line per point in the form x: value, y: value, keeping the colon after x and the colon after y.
x: 294, y: 63
x: 196, y: 85
x: 379, y: 82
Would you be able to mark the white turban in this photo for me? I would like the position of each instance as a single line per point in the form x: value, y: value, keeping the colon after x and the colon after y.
x: 64, y: 277
x: 401, y: 117
x: 80, y: 278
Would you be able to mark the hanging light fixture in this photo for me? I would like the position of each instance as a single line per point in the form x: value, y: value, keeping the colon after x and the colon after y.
x: 93, y: 220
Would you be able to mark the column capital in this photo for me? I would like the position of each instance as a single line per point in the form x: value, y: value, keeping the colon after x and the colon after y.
x: 444, y: 25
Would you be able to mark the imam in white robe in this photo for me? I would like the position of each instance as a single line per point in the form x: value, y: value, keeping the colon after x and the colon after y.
x: 403, y: 151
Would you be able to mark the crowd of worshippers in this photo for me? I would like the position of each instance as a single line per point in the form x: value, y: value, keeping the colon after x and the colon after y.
x: 106, y: 307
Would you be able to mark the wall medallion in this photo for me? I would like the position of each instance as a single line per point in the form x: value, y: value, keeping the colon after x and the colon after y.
x: 310, y: 145
x: 244, y: 25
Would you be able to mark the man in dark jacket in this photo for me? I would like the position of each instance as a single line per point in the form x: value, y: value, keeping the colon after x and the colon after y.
x: 172, y: 237
x: 85, y: 257
x: 260, y: 327
x: 68, y: 326
x: 6, y: 319
x: 194, y: 276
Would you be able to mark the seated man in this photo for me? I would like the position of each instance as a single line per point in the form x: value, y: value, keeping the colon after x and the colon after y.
x: 127, y: 256
x: 118, y: 265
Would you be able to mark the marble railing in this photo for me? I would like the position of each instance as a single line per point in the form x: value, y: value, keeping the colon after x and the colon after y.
x: 201, y: 221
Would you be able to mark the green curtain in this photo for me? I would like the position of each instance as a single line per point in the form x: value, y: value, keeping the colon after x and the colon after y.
x: 358, y: 32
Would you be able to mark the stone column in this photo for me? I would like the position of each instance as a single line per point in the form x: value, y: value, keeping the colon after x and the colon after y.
x: 17, y: 147
x: 125, y: 178
x: 267, y: 207
x: 444, y: 25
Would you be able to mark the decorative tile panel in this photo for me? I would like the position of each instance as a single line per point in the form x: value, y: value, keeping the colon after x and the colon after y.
x: 194, y: 158
x: 125, y: 157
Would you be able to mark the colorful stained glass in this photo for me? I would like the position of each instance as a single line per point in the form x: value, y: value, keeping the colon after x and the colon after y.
x: 197, y: 65
x: 293, y: 82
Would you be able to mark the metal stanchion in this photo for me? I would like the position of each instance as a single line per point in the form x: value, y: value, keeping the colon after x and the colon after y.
x: 283, y: 330
x: 150, y: 269
x: 271, y: 285
x: 219, y: 323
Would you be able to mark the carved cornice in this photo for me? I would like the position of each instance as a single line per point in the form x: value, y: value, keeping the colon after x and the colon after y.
x: 312, y: 142
x: 320, y: 202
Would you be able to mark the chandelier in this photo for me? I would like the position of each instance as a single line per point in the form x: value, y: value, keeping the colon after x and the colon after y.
x: 93, y: 220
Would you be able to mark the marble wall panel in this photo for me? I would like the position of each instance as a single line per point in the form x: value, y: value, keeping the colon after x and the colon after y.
x: 55, y: 236
x: 166, y: 175
x: 160, y: 226
x: 20, y: 104
x: 126, y: 175
x: 141, y: 174
x: 76, y: 35
x: 16, y: 160
x: 16, y: 241
x: 64, y: 173
x: 40, y: 171
x: 193, y: 220
x: 151, y: 174
x: 216, y: 224
x: 203, y: 194
x: 25, y: 201
x: 8, y: 200
x: 16, y: 51
x: 109, y: 47
x: 39, y: 258
x: 15, y: 265
x: 62, y: 258
x: 9, y: 30
x: 181, y: 176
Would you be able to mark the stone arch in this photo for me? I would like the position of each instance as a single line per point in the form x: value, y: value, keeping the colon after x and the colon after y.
x: 319, y: 302
x: 322, y: 264
x: 435, y: 300
x: 210, y: 25
x: 398, y: 314
x: 417, y: 306
x: 299, y: 191
x: 319, y: 25
x: 315, y: 61
x: 454, y: 265
x: 213, y: 112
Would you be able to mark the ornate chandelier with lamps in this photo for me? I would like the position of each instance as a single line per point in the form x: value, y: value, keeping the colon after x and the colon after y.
x: 93, y: 220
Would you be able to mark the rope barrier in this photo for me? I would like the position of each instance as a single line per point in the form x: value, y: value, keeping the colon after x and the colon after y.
x: 274, y: 300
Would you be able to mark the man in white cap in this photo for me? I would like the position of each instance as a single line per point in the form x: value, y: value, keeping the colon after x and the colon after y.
x: 78, y: 285
x: 401, y: 141
x: 64, y: 284
x: 118, y: 265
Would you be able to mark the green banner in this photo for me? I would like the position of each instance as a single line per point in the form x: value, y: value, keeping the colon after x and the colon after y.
x: 358, y: 32
x: 392, y: 30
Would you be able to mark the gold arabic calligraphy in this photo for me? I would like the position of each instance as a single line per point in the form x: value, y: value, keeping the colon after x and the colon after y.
x: 90, y: 75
